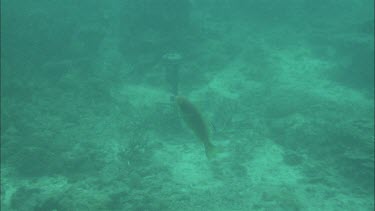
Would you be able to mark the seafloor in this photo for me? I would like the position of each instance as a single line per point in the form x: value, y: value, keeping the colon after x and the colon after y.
x: 289, y: 108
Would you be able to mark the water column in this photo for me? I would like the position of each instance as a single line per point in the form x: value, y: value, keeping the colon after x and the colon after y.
x: 172, y: 63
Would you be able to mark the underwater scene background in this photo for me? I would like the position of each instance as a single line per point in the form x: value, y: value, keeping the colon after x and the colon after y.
x: 89, y: 120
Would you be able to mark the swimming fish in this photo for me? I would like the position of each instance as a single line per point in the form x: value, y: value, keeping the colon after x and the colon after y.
x: 194, y: 120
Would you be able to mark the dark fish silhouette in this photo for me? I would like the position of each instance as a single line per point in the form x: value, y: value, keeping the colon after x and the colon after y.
x: 194, y: 120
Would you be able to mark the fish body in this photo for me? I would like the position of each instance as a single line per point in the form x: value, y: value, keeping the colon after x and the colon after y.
x: 195, y: 121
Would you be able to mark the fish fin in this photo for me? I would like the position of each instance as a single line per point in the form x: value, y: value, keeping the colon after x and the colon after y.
x: 211, y: 151
x: 213, y: 127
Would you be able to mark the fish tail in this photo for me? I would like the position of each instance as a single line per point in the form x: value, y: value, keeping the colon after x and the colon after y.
x: 211, y: 151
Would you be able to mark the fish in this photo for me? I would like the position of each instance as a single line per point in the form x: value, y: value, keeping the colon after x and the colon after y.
x: 193, y: 118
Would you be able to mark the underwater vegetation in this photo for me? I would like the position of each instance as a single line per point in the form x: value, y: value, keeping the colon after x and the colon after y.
x: 285, y: 89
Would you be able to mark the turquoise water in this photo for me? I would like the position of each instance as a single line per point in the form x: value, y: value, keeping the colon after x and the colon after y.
x: 89, y: 119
